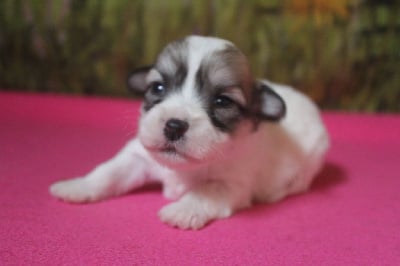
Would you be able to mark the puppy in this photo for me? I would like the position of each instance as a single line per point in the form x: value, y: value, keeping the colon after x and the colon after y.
x: 216, y: 138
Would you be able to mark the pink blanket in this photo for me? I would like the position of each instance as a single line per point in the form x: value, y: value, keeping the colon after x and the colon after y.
x: 351, y: 216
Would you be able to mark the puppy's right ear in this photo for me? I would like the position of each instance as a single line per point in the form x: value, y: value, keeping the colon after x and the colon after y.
x: 268, y: 105
x: 137, y: 80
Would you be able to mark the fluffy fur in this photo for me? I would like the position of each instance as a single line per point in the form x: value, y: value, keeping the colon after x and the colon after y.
x: 217, y: 139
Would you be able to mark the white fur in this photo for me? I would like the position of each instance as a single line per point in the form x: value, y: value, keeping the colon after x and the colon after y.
x: 213, y: 174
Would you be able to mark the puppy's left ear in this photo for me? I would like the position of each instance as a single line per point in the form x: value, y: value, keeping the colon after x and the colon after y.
x: 137, y: 80
x: 268, y: 105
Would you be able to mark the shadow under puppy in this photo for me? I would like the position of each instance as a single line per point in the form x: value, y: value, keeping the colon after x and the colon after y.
x: 216, y: 138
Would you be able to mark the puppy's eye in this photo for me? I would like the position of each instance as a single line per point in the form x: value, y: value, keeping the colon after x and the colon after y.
x: 157, y: 88
x: 222, y: 101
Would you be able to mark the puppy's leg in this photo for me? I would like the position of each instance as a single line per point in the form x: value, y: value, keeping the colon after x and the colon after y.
x: 124, y: 172
x: 209, y: 202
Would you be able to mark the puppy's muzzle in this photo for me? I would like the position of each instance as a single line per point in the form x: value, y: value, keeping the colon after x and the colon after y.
x: 175, y: 129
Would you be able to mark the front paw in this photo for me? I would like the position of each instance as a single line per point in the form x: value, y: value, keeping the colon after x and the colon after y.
x: 76, y: 190
x: 182, y: 215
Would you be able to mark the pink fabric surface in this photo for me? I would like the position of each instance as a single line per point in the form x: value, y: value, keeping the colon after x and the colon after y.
x: 351, y: 216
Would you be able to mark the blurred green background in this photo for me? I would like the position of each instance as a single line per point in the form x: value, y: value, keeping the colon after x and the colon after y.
x: 345, y: 54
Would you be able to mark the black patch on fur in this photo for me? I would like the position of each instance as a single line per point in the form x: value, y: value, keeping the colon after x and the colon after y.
x: 172, y: 66
x: 232, y: 66
x: 225, y: 118
x: 151, y: 98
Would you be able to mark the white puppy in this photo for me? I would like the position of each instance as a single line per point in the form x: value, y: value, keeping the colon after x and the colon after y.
x: 216, y: 138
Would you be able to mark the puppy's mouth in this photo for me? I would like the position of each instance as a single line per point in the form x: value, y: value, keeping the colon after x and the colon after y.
x: 171, y: 153
x: 169, y: 148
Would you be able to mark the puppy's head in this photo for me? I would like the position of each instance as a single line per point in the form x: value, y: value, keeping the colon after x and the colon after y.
x: 198, y: 95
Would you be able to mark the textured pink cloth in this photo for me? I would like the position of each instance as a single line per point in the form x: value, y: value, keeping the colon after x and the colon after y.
x: 351, y: 216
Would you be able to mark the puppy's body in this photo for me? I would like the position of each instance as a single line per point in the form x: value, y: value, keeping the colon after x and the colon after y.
x: 213, y: 136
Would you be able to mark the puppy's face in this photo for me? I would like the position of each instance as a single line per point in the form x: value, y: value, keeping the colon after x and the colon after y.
x: 198, y: 95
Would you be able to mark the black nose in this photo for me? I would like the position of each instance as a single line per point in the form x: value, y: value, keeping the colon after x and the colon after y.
x: 175, y: 129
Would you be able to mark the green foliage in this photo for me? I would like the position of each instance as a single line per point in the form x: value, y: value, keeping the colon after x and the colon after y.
x: 343, y: 60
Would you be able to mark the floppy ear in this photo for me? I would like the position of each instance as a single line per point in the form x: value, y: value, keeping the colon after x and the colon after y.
x: 137, y: 80
x: 269, y: 105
